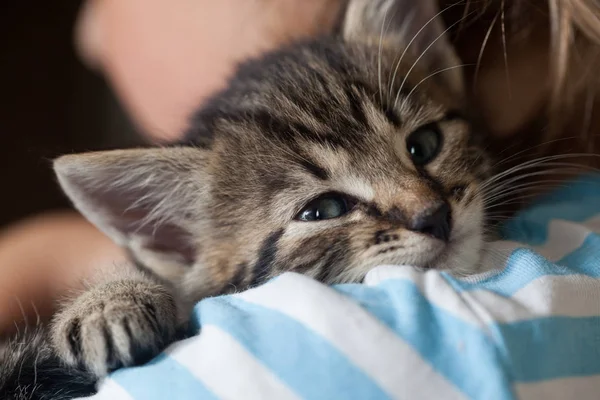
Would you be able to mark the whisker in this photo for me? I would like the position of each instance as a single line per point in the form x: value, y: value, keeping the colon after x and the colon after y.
x: 38, y: 317
x: 463, y: 19
x: 410, y: 43
x: 383, y: 31
x: 433, y: 74
x: 505, y: 160
x: 513, y: 201
x: 510, y: 184
x: 534, y: 163
x: 509, y: 200
x: 560, y: 168
x: 519, y: 188
x: 414, y: 64
x: 505, y: 51
x: 482, y: 50
x: 556, y: 167
x: 523, y: 189
x: 23, y: 314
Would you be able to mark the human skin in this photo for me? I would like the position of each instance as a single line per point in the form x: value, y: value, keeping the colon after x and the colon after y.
x: 162, y: 57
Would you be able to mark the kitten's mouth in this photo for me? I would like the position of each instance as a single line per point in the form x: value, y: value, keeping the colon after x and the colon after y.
x: 461, y: 253
x: 429, y: 254
x: 438, y: 262
x: 433, y: 254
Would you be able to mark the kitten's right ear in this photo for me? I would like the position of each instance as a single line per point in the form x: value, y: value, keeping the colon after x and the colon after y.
x: 147, y: 200
x: 414, y: 25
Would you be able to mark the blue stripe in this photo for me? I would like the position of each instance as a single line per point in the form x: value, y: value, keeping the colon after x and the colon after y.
x: 162, y: 378
x: 304, y: 360
x: 461, y: 352
x: 483, y: 366
x: 530, y: 226
x: 552, y: 348
x: 524, y: 266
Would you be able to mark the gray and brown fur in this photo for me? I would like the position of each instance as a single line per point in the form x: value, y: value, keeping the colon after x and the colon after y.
x: 216, y: 213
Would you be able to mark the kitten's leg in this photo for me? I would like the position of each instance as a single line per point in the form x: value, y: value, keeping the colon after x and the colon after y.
x: 117, y: 322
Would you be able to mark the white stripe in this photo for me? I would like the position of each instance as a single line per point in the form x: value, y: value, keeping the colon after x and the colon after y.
x: 572, y: 295
x: 593, y: 224
x: 569, y: 296
x: 564, y: 237
x: 110, y: 390
x: 369, y: 344
x: 580, y: 388
x: 227, y: 369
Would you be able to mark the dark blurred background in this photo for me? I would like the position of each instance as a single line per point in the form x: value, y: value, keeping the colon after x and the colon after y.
x: 50, y: 105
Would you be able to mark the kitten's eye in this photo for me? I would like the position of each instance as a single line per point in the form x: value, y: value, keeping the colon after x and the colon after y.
x: 424, y: 144
x: 325, y: 207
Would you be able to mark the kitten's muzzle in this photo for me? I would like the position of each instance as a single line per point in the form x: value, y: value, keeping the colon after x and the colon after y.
x: 433, y: 221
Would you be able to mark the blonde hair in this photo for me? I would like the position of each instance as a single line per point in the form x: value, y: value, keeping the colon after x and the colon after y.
x: 575, y: 24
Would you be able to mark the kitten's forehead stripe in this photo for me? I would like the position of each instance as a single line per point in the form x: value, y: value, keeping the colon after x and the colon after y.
x: 393, y: 117
x: 314, y: 169
x: 277, y: 126
x: 356, y: 106
x: 327, y: 90
x: 453, y: 115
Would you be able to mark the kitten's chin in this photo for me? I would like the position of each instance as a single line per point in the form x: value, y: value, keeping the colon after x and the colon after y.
x: 461, y: 256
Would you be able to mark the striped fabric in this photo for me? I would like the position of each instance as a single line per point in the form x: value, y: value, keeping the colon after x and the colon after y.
x: 530, y: 330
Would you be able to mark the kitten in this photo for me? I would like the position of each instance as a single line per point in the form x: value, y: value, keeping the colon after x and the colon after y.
x: 325, y: 158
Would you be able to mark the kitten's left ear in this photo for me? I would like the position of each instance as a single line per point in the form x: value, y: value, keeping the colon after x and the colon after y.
x: 147, y: 200
x: 415, y: 25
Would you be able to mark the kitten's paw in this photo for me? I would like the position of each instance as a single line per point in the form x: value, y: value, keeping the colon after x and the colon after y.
x: 115, y: 325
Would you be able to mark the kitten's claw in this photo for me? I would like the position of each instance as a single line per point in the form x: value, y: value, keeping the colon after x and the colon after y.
x: 115, y: 325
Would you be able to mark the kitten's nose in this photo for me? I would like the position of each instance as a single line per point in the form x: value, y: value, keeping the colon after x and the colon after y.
x: 433, y: 221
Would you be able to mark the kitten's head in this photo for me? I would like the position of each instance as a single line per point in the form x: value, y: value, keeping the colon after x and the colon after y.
x: 327, y: 158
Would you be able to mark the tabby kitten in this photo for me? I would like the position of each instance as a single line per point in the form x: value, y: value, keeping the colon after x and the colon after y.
x: 325, y: 158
